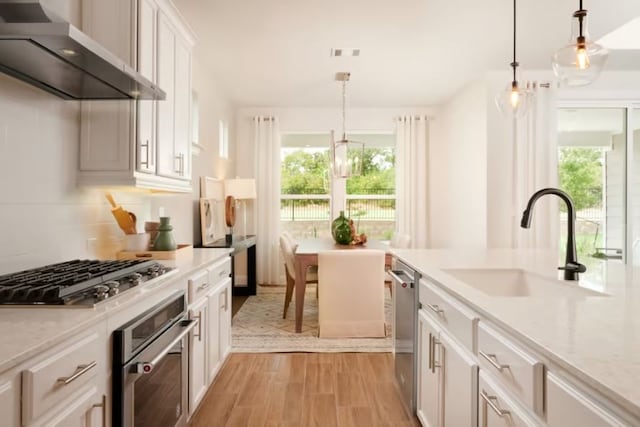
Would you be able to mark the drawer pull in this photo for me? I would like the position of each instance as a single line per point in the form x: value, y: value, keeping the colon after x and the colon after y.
x: 203, y: 286
x: 433, y: 342
x: 435, y: 308
x: 491, y: 358
x: 80, y: 370
x: 223, y: 273
x: 489, y: 400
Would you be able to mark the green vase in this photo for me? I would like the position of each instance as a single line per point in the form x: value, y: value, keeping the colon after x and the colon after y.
x: 165, y: 240
x: 340, y: 230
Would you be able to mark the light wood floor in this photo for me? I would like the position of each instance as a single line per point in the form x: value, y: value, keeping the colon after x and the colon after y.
x: 304, y: 390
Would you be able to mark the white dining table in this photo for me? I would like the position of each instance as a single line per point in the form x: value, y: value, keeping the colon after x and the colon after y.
x: 307, y: 256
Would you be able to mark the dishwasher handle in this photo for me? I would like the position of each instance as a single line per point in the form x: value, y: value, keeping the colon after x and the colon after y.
x: 395, y: 274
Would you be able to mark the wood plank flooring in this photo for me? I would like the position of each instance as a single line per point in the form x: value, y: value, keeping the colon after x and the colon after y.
x: 304, y: 390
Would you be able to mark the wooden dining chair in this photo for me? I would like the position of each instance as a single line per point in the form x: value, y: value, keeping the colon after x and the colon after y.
x: 287, y: 247
x: 351, y: 300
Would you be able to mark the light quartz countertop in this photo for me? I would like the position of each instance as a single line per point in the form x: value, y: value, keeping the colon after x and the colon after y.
x: 29, y: 330
x: 595, y: 338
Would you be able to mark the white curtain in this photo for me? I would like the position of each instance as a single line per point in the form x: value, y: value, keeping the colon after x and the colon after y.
x: 267, y: 172
x: 412, y: 159
x: 535, y: 166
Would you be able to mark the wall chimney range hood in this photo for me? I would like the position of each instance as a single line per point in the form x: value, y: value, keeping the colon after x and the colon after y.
x: 38, y: 47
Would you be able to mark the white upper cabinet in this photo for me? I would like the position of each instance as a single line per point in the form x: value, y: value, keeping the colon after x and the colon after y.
x: 143, y: 144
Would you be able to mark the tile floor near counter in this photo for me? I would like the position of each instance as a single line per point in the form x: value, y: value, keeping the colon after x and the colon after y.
x: 304, y: 389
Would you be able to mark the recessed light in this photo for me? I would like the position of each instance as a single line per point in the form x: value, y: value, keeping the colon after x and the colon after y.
x: 135, y: 93
x: 345, y: 52
x: 68, y: 52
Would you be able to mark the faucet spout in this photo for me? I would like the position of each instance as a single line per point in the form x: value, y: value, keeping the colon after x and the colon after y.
x: 572, y: 267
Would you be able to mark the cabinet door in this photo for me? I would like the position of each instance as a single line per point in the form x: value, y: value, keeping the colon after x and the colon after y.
x: 428, y: 401
x: 87, y: 410
x: 146, y: 141
x: 198, y: 375
x: 497, y: 409
x: 182, y: 143
x: 459, y: 400
x: 568, y: 406
x: 10, y: 401
x: 213, y: 347
x: 225, y: 320
x: 167, y: 158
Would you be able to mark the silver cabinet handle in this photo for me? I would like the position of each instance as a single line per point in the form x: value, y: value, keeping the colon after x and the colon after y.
x: 203, y: 286
x: 199, y: 335
x: 146, y: 147
x: 223, y: 273
x: 492, y: 359
x: 435, y: 308
x: 226, y: 299
x: 147, y: 367
x: 180, y: 159
x: 80, y: 370
x: 433, y: 342
x: 489, y: 400
x: 102, y: 405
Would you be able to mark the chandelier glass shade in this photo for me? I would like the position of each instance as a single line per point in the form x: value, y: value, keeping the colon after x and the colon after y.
x: 515, y: 100
x: 346, y: 156
x: 580, y: 62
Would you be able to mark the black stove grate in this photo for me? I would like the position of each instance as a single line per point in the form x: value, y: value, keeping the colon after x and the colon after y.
x: 53, y: 283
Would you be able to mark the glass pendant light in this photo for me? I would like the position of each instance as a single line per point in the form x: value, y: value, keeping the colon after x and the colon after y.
x: 580, y: 62
x: 346, y: 155
x: 514, y: 100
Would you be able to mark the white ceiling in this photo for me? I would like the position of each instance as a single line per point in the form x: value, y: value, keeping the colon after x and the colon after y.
x: 413, y: 52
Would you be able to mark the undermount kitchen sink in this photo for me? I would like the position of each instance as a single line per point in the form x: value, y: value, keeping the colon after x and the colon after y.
x: 518, y: 283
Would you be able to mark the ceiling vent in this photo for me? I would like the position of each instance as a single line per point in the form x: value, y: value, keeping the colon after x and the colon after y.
x: 345, y: 52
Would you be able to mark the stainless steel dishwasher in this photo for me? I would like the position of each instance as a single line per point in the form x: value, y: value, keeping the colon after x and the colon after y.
x: 405, y: 317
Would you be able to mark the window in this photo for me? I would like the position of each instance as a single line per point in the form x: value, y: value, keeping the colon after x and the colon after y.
x: 306, y: 197
x: 592, y: 169
x: 223, y: 138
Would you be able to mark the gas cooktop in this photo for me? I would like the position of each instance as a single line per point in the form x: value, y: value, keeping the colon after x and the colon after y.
x: 78, y: 282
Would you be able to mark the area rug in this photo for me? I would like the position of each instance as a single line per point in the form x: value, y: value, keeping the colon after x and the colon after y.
x: 258, y: 327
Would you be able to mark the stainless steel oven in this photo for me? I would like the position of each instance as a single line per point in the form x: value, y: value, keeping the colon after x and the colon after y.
x: 405, y: 318
x: 150, y: 367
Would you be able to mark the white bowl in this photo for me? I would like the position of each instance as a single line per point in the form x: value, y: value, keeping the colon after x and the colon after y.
x: 136, y: 242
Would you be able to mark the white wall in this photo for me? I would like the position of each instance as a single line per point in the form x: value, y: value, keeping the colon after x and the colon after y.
x: 44, y: 217
x: 458, y: 170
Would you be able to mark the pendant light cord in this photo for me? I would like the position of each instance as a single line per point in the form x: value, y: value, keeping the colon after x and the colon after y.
x: 580, y: 18
x: 514, y: 64
x: 344, y: 109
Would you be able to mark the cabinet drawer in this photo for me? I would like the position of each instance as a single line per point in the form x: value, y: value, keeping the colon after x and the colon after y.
x: 518, y: 370
x: 495, y: 409
x: 220, y: 271
x: 59, y: 375
x: 198, y: 285
x: 459, y: 320
x: 568, y: 406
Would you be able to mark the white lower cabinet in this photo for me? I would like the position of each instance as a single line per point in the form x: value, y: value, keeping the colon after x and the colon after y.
x: 210, y: 341
x: 224, y: 317
x: 497, y: 409
x: 10, y: 399
x: 448, y: 378
x: 88, y: 409
x: 198, y: 375
x: 568, y: 406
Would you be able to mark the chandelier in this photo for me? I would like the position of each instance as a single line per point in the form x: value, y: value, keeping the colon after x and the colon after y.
x: 345, y: 155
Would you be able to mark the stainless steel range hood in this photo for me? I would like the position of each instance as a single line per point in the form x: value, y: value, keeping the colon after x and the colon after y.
x: 36, y: 46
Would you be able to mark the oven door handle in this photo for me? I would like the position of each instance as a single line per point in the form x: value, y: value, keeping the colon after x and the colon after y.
x: 147, y: 367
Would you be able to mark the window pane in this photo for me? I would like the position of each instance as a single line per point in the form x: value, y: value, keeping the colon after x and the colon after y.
x: 305, y: 186
x: 592, y: 169
x: 371, y: 199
